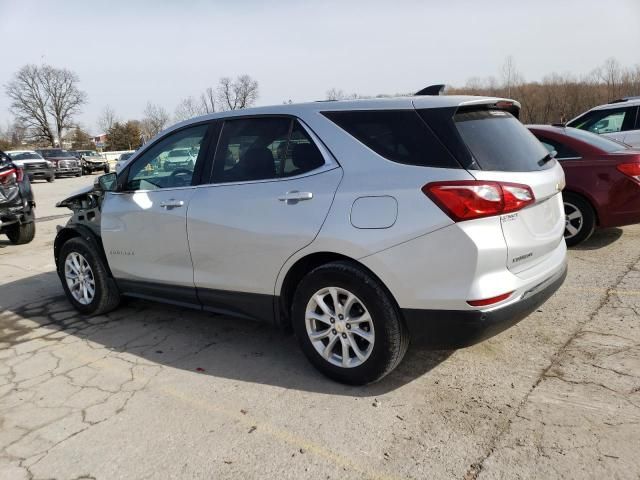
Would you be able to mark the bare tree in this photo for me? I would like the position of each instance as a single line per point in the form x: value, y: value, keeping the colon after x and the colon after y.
x: 239, y: 93
x: 510, y: 76
x: 65, y: 98
x: 29, y: 103
x: 208, y: 100
x: 106, y: 119
x: 154, y: 121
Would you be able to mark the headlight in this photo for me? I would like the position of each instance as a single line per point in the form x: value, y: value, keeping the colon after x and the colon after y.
x: 50, y: 164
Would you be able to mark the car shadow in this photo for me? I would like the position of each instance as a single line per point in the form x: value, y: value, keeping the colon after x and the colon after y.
x: 601, y: 238
x: 191, y: 340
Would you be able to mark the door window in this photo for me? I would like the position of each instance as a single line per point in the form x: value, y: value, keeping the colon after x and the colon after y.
x: 169, y: 163
x: 263, y: 148
x: 606, y: 121
x: 562, y: 150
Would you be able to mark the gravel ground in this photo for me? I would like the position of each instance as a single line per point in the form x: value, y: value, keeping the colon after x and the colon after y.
x: 152, y: 391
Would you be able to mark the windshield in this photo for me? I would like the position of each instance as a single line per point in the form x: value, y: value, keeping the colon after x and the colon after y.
x: 25, y: 156
x: 54, y: 153
x: 603, y: 143
x: 499, y: 142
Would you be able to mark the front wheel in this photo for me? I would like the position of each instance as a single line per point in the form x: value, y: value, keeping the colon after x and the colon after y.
x: 347, y: 324
x: 580, y: 219
x: 51, y: 178
x: 84, y: 278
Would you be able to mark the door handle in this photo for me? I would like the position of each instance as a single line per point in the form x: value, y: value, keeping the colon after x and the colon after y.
x: 169, y: 204
x: 295, y: 196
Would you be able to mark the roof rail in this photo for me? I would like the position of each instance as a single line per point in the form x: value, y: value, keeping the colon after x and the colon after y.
x: 431, y: 90
x: 625, y: 99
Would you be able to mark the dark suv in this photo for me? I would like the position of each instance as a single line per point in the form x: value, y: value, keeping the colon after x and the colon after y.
x: 16, y: 203
x: 63, y: 162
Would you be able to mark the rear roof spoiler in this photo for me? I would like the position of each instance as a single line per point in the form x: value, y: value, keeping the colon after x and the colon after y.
x: 433, y: 90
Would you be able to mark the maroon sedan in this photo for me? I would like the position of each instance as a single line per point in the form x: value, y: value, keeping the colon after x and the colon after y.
x: 603, y: 180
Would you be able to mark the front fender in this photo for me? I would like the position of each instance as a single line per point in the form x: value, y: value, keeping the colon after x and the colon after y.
x: 79, y: 231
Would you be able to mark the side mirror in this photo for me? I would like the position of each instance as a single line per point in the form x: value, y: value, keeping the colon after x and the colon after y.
x: 108, y: 182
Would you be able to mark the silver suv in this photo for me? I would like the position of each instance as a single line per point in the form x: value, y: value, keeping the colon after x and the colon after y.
x: 361, y: 224
x: 619, y: 120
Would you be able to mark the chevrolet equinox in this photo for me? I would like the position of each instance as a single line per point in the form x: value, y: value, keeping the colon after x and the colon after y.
x: 361, y: 224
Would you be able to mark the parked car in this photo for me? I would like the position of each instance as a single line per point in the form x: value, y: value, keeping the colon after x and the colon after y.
x: 122, y: 160
x: 17, y: 205
x: 33, y: 164
x: 63, y: 162
x: 603, y: 180
x: 180, y: 158
x: 435, y: 219
x: 618, y: 120
x: 93, y: 162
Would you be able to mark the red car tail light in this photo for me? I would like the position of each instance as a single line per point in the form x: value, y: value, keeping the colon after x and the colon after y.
x: 11, y: 176
x: 489, y: 301
x: 630, y: 169
x: 469, y: 199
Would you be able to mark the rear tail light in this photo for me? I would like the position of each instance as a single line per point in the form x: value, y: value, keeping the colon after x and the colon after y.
x: 489, y: 301
x: 469, y: 199
x: 630, y: 169
x: 11, y: 176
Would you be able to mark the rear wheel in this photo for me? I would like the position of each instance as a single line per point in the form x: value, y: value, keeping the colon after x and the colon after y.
x: 21, y: 233
x: 347, y: 324
x: 580, y: 219
x: 84, y: 278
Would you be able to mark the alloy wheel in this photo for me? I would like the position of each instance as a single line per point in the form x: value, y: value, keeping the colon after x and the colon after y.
x: 79, y: 277
x: 339, y: 327
x: 573, y: 220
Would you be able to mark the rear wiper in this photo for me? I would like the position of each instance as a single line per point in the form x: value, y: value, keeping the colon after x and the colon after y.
x: 547, y: 158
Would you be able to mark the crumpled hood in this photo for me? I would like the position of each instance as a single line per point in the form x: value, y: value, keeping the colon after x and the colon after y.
x: 75, y: 195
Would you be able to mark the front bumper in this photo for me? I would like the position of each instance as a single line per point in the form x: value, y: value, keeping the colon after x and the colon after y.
x: 39, y: 172
x: 450, y: 329
x: 68, y: 171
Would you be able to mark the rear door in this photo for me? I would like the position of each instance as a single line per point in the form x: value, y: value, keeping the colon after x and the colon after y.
x: 271, y: 189
x: 504, y: 150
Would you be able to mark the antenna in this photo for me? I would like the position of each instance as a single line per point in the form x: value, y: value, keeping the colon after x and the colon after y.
x: 434, y: 90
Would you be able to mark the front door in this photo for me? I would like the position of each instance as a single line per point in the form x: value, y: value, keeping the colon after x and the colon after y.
x: 144, y: 224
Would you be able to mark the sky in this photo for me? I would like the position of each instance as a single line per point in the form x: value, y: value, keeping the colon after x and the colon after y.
x: 128, y: 53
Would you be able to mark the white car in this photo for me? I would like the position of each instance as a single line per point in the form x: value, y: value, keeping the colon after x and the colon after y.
x: 619, y: 120
x: 122, y: 160
x: 33, y: 164
x: 361, y: 224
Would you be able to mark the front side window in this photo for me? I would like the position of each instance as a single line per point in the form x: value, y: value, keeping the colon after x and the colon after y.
x: 169, y: 163
x: 264, y: 148
x: 605, y: 121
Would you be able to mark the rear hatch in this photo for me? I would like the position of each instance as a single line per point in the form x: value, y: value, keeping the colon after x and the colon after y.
x: 503, y: 150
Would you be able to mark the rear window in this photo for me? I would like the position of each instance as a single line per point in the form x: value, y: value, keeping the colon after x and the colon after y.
x: 397, y: 135
x: 603, y: 143
x: 498, y: 141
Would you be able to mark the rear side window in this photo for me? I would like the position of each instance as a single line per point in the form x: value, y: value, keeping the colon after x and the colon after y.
x: 499, y: 142
x: 397, y: 135
x: 264, y: 148
x: 610, y: 120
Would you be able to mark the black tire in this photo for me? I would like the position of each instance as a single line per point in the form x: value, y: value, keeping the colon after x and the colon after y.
x: 21, y: 233
x: 107, y: 169
x: 52, y: 178
x: 107, y: 296
x: 583, y: 227
x: 79, y: 174
x: 391, y: 336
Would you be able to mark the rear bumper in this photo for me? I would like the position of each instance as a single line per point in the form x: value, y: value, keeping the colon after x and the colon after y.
x: 449, y: 329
